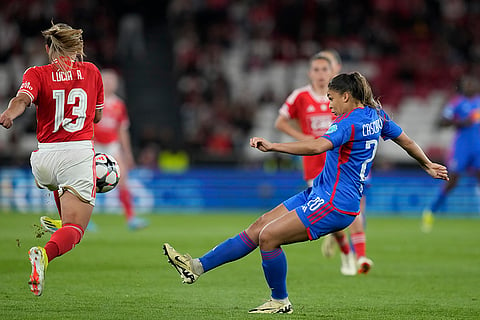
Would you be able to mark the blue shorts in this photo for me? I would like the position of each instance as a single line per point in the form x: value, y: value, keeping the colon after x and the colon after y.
x: 317, y: 213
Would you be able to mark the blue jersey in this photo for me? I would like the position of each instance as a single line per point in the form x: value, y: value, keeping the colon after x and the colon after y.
x: 466, y: 146
x: 355, y: 137
x: 462, y: 108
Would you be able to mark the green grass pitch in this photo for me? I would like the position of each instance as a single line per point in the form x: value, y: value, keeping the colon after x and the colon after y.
x: 119, y: 274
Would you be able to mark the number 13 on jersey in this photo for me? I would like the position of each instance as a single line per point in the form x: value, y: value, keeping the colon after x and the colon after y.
x: 78, y: 110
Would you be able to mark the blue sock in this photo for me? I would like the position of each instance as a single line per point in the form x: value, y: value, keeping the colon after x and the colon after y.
x: 229, y: 250
x: 439, y: 201
x: 274, y: 265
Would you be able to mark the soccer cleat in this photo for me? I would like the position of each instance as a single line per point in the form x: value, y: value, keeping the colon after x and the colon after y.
x: 39, y: 260
x: 137, y: 223
x: 49, y: 224
x: 182, y: 263
x: 328, y: 246
x: 427, y: 221
x: 273, y: 306
x: 348, y: 267
x: 364, y: 265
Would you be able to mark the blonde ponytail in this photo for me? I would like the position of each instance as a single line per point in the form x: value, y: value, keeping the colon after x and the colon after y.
x: 65, y: 45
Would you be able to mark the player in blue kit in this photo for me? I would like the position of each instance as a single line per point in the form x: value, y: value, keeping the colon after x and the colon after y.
x: 463, y: 113
x: 331, y: 204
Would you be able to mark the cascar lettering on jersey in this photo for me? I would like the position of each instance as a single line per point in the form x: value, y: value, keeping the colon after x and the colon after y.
x: 372, y: 128
x: 65, y: 76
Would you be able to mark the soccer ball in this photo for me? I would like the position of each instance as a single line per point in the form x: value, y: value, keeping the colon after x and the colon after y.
x: 108, y: 172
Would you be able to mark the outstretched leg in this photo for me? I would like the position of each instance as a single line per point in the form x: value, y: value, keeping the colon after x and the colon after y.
x: 229, y: 250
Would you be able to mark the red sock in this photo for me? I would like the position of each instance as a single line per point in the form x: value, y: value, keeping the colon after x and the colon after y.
x: 342, y: 241
x: 63, y: 240
x: 126, y: 200
x: 359, y: 243
x: 57, y: 202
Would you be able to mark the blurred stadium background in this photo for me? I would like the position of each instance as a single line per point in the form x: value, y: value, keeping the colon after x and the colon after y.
x: 201, y: 77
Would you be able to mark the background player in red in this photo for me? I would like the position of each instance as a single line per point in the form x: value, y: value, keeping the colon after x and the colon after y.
x: 309, y: 106
x: 68, y: 94
x: 357, y: 228
x: 112, y: 137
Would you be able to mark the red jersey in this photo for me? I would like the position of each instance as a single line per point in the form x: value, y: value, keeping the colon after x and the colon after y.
x: 314, y: 116
x: 114, y: 116
x: 65, y: 101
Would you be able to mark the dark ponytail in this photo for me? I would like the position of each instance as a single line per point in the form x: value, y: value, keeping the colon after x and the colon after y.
x: 358, y: 87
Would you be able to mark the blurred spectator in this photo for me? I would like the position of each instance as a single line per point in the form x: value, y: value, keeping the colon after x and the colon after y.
x: 234, y: 51
x: 253, y: 46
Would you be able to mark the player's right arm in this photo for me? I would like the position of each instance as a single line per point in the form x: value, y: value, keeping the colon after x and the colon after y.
x: 300, y: 148
x: 16, y: 107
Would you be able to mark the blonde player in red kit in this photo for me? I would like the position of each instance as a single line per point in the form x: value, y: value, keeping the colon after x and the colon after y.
x: 309, y: 106
x: 68, y: 94
x: 357, y: 228
x: 112, y: 137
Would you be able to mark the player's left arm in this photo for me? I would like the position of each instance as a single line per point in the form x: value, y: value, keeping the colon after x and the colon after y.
x: 16, y: 107
x: 98, y: 115
x: 301, y: 148
x: 435, y: 170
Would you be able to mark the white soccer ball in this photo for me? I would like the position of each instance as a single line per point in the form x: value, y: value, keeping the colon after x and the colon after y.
x: 108, y: 172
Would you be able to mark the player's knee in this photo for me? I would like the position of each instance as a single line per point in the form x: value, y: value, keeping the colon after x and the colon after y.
x: 267, y: 241
x: 255, y: 228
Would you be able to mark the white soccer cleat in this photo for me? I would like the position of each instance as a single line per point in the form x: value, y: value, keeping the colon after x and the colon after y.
x: 39, y: 260
x: 273, y: 306
x: 364, y: 265
x: 328, y: 246
x: 348, y: 267
x: 182, y: 263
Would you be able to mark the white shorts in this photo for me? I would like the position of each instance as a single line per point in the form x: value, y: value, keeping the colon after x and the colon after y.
x: 66, y: 166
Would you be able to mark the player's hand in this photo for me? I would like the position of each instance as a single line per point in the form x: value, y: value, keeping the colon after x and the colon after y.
x: 437, y: 171
x: 5, y: 120
x: 260, y: 144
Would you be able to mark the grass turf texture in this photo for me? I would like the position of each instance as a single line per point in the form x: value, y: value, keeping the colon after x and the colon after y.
x: 119, y: 274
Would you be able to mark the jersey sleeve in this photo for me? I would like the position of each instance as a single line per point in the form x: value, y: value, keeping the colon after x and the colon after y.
x: 30, y: 84
x: 390, y: 129
x: 289, y: 109
x: 450, y: 110
x: 339, y: 133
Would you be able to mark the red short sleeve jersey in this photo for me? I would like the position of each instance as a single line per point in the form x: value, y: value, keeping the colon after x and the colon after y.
x: 314, y: 116
x: 114, y: 117
x: 65, y: 101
